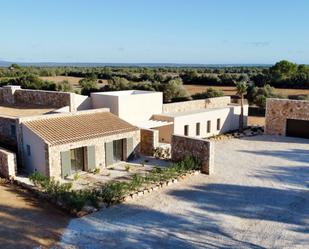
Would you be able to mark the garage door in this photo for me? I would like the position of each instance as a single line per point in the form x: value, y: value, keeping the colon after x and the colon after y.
x: 297, y: 128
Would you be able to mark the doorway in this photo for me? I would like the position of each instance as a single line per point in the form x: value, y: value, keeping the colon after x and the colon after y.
x: 77, y: 159
x: 297, y: 128
x: 117, y: 150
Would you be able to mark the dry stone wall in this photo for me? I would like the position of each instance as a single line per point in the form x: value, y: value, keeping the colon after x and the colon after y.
x: 10, y: 95
x: 200, y: 149
x: 279, y: 110
x: 8, y: 165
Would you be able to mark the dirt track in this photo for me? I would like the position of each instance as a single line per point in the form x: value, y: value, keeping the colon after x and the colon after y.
x: 26, y: 222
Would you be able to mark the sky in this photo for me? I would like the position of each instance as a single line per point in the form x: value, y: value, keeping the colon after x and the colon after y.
x: 155, y: 31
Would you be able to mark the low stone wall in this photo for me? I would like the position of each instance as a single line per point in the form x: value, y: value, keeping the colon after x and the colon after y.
x: 279, y: 110
x: 8, y: 165
x: 185, y: 106
x: 201, y: 149
x: 149, y: 141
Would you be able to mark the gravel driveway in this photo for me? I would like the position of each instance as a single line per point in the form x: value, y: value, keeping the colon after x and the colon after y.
x: 257, y: 198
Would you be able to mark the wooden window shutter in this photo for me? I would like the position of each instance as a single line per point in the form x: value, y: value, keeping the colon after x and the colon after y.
x: 109, y: 153
x: 129, y: 148
x: 65, y: 163
x: 91, y: 157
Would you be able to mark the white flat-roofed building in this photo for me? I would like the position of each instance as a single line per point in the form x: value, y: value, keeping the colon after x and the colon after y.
x: 133, y: 106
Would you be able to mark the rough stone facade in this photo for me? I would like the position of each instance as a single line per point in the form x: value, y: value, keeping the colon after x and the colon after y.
x: 8, y: 165
x: 149, y: 141
x: 53, y: 159
x: 196, y: 104
x: 279, y: 110
x: 10, y: 95
x: 201, y: 149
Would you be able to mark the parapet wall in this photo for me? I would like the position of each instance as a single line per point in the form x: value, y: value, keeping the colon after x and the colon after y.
x: 200, y: 149
x: 279, y: 110
x: 10, y: 95
x: 8, y: 166
x: 43, y: 98
x: 185, y: 106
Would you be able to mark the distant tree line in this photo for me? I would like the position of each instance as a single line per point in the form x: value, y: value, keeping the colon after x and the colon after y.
x: 169, y: 80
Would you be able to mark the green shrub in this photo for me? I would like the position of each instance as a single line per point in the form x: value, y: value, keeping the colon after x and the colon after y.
x: 112, y: 192
x: 127, y: 167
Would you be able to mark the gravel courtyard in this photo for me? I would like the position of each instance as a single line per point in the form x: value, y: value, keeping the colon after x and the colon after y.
x: 257, y: 198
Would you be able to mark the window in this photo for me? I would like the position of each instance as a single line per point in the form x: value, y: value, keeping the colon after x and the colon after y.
x: 28, y: 150
x: 198, y: 129
x: 208, y: 126
x: 186, y: 130
x: 13, y: 131
x: 218, y: 124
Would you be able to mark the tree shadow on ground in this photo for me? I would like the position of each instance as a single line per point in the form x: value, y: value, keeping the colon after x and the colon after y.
x: 27, y: 222
x: 251, y: 202
x: 132, y: 226
x: 293, y: 175
x: 295, y: 155
x: 277, y: 139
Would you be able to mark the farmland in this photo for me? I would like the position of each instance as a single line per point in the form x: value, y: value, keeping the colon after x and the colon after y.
x: 231, y: 91
x: 73, y: 81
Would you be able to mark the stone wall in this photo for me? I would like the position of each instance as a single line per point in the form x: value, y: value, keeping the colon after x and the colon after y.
x: 149, y: 141
x: 10, y: 95
x: 53, y: 159
x: 279, y: 110
x: 8, y: 165
x: 201, y: 149
x: 43, y: 98
x: 185, y: 106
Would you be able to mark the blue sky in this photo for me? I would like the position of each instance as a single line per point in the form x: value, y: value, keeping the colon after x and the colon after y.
x: 171, y: 31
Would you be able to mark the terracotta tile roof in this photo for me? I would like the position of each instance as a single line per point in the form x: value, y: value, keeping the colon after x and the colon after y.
x: 68, y: 129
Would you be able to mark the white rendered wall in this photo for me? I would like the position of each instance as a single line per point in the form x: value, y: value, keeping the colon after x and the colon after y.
x: 229, y: 119
x: 140, y: 107
x: 133, y: 108
x: 36, y: 161
x: 102, y: 100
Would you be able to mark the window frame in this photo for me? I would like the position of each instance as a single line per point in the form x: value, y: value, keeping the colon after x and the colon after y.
x: 218, y: 124
x: 208, y: 126
x: 186, y: 130
x: 198, y: 129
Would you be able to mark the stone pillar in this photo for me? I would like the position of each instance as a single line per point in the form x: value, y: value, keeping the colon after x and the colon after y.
x: 8, y: 94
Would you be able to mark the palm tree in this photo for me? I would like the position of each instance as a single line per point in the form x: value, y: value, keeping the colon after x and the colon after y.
x: 241, y: 88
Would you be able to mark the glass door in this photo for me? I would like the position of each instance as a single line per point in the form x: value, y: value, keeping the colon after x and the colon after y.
x: 118, y: 150
x: 77, y: 159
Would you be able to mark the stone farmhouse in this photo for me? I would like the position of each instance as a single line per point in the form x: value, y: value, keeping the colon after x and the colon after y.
x: 58, y: 133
